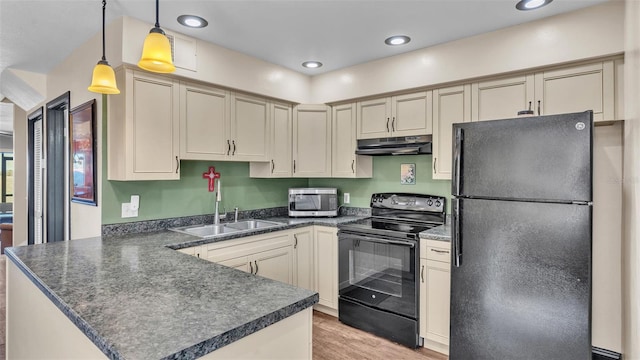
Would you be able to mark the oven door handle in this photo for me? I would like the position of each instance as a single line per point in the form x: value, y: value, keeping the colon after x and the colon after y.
x: 379, y: 241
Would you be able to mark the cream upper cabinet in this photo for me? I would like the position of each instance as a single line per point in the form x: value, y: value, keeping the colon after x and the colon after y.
x: 344, y: 162
x: 401, y: 115
x: 280, y: 163
x: 576, y: 89
x: 435, y: 288
x: 250, y: 125
x: 326, y: 268
x: 143, y: 131
x: 312, y: 141
x: 303, y: 257
x: 204, y: 122
x: 501, y: 98
x: 450, y: 105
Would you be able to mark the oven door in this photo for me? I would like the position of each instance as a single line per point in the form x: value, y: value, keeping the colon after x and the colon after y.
x: 379, y: 272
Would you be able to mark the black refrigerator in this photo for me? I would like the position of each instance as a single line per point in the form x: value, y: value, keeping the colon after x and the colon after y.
x: 521, y: 238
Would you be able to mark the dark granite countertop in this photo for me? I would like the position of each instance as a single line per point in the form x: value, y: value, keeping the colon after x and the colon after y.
x: 440, y: 233
x: 136, y: 298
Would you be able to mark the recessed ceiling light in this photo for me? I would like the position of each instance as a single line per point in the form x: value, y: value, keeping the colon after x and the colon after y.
x: 192, y: 21
x: 312, y: 64
x: 531, y: 4
x: 397, y: 40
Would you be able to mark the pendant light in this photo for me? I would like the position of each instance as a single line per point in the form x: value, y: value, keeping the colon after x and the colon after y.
x: 156, y: 52
x: 104, y: 79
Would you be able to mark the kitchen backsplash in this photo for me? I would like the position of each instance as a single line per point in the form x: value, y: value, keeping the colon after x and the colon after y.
x: 189, y: 196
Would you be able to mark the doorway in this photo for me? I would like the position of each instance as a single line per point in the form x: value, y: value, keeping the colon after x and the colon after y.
x: 35, y: 175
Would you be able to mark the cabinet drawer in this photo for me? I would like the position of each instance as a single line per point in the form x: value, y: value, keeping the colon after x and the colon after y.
x: 436, y: 250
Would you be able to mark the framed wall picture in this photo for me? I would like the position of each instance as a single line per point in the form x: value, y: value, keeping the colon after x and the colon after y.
x: 83, y: 153
x: 408, y: 174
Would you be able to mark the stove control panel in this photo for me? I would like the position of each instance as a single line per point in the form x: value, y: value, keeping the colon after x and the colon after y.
x: 409, y: 201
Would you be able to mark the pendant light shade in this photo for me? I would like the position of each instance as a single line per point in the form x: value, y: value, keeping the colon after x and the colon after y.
x: 156, y: 52
x: 104, y: 79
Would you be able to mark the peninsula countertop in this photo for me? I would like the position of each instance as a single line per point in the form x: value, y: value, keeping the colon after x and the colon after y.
x: 135, y: 297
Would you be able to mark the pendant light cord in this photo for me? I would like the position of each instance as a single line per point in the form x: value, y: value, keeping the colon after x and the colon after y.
x: 104, y: 6
x: 157, y: 12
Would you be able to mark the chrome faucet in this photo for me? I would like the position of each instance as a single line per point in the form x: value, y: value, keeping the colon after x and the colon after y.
x: 216, y: 214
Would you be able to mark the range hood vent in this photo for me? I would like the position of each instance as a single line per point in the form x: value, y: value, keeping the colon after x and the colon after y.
x: 404, y: 145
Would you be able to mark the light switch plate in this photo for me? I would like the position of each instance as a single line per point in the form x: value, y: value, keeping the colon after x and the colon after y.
x: 346, y: 198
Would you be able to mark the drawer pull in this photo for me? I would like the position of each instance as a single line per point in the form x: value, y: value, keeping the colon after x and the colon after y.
x: 440, y: 251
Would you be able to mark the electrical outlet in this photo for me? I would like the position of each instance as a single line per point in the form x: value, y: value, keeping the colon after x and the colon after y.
x: 128, y: 211
x: 346, y: 198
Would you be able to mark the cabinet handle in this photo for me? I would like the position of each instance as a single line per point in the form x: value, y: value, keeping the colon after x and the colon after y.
x: 422, y: 273
x: 435, y: 160
x: 234, y: 147
x: 353, y: 163
x: 228, y: 147
x: 538, y: 107
x: 295, y: 245
x: 387, y: 124
x: 273, y: 166
x: 393, y: 124
x: 440, y: 251
x: 294, y: 166
x: 251, y: 265
x: 198, y: 255
x: 256, y: 262
x: 177, y: 164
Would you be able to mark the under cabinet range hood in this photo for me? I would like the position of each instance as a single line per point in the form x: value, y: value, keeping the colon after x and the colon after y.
x: 404, y: 145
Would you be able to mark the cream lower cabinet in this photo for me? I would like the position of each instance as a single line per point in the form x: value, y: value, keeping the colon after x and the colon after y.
x: 312, y: 141
x: 303, y: 258
x: 143, y: 132
x: 435, y: 287
x: 344, y: 161
x: 326, y: 268
x: 280, y: 162
x: 450, y: 105
x: 400, y: 115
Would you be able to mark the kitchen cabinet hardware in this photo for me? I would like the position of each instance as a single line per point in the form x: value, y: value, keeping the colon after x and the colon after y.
x: 387, y: 124
x: 251, y: 266
x: 273, y: 166
x: 256, y: 262
x: 435, y: 160
x: 234, y: 147
x: 295, y: 245
x: 353, y: 163
x: 177, y: 164
x: 538, y: 107
x: 294, y: 166
x: 228, y: 147
x: 422, y: 273
x: 393, y: 124
x: 440, y: 251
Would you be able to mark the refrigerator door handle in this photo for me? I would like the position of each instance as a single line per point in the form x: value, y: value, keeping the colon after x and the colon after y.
x: 456, y: 241
x: 456, y: 184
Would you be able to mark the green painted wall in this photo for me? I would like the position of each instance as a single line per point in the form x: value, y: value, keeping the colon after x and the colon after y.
x: 190, y: 196
x: 386, y: 178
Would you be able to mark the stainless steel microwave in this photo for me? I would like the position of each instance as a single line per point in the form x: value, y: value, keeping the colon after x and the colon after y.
x: 313, y: 202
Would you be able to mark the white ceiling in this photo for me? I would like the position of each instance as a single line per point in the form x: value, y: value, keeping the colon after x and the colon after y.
x: 35, y: 35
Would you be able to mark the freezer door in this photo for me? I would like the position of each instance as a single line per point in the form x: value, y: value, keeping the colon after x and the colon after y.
x: 522, y: 289
x: 545, y: 158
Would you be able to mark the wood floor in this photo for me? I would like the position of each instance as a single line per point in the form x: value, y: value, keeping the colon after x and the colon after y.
x: 332, y: 341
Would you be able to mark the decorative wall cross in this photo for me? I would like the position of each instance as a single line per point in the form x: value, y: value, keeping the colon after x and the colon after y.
x: 212, y: 175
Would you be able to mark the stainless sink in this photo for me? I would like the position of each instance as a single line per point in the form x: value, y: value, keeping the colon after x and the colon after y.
x: 209, y: 231
x: 252, y: 224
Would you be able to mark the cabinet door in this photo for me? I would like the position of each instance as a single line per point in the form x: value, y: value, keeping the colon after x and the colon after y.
x: 276, y: 264
x: 240, y: 263
x: 303, y: 248
x: 374, y: 118
x: 204, y: 122
x: 154, y: 128
x: 326, y: 266
x: 312, y: 141
x: 249, y: 128
x: 412, y: 114
x: 343, y: 161
x: 576, y: 89
x: 281, y: 146
x: 437, y: 276
x: 501, y: 99
x: 450, y: 105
